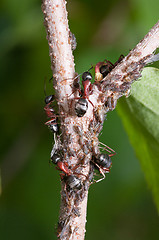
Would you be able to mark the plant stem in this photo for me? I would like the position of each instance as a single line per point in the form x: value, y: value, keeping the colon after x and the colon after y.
x: 78, y: 140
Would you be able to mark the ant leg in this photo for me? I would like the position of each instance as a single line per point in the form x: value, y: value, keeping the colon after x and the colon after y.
x: 90, y: 102
x: 110, y: 63
x: 73, y: 93
x: 120, y: 58
x: 100, y: 171
x: 110, y: 155
x: 99, y: 180
x: 51, y: 121
x: 107, y: 147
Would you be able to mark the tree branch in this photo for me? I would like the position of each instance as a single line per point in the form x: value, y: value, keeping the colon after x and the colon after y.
x: 73, y: 203
x: 77, y: 145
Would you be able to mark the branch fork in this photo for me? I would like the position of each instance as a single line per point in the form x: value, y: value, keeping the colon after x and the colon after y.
x: 78, y: 141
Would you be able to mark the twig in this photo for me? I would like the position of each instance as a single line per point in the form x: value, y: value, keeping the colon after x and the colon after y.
x: 71, y: 225
x: 78, y: 143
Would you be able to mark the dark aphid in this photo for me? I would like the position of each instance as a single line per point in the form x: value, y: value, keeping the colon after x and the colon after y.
x: 73, y: 182
x: 81, y: 107
x: 104, y: 160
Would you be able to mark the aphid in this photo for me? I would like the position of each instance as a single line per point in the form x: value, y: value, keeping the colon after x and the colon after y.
x: 73, y: 182
x: 52, y: 123
x: 103, y: 68
x: 72, y: 40
x: 100, y: 114
x: 111, y: 103
x: 62, y: 226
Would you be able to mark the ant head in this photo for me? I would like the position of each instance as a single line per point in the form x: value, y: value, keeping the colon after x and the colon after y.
x: 104, y: 70
x: 86, y: 76
x: 55, y: 158
x: 49, y: 99
x: 54, y: 127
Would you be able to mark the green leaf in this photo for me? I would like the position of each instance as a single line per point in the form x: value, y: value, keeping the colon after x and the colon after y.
x: 140, y: 116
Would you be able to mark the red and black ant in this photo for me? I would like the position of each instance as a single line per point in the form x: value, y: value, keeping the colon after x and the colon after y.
x: 71, y: 180
x: 103, y: 161
x: 81, y: 105
x: 103, y: 68
x: 52, y: 123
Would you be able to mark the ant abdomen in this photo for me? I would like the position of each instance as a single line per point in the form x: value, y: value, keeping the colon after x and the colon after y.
x: 103, y: 160
x: 73, y: 182
x: 81, y: 107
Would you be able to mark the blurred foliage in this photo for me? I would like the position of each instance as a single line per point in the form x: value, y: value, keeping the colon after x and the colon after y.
x: 140, y: 115
x: 121, y: 207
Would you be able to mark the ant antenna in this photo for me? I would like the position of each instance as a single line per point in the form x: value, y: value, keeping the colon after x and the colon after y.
x: 90, y: 68
x: 45, y: 84
x: 105, y: 149
x: 76, y: 76
x: 50, y: 79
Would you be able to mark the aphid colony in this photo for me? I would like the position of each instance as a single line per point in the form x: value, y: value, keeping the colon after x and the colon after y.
x: 91, y: 153
x: 75, y: 181
x: 88, y: 140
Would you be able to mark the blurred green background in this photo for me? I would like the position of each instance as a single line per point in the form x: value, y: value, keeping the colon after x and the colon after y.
x: 120, y: 207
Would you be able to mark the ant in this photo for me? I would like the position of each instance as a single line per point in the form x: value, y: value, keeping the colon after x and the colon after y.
x: 52, y: 123
x: 103, y: 68
x: 81, y: 105
x: 71, y: 180
x: 103, y: 161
